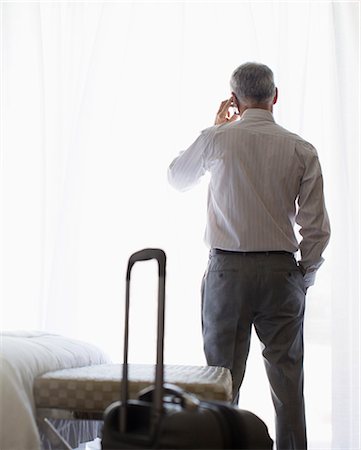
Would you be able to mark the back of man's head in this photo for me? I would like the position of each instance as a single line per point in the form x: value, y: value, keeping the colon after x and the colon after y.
x: 253, y: 83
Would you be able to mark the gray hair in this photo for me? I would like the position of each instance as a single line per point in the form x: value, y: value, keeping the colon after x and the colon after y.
x: 253, y: 82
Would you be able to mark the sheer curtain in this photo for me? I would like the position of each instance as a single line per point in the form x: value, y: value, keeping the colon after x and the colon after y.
x: 96, y: 100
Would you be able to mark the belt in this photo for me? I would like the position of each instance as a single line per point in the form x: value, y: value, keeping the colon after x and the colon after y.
x: 218, y: 251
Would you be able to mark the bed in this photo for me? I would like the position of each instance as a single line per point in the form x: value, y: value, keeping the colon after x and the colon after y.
x: 24, y: 356
x: 70, y: 383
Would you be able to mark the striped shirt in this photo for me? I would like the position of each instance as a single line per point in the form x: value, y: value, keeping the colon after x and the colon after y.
x: 264, y: 180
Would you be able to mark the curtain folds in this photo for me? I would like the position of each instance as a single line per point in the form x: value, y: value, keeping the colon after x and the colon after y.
x: 346, y: 217
x: 96, y: 100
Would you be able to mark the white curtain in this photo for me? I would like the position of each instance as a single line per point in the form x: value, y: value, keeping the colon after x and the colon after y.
x: 96, y: 100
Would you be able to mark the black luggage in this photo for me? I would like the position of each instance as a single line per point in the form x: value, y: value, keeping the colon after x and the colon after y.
x: 164, y: 416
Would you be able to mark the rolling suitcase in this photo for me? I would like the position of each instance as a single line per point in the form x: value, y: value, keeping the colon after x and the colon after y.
x: 165, y: 416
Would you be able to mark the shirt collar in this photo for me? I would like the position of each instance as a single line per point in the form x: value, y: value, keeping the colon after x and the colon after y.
x: 258, y: 113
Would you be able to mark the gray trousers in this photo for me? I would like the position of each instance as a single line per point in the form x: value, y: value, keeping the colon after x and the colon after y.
x: 265, y: 290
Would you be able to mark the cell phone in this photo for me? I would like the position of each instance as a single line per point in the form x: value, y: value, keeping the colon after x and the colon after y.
x: 234, y: 107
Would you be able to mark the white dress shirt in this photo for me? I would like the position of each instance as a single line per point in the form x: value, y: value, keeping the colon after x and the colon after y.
x: 264, y: 179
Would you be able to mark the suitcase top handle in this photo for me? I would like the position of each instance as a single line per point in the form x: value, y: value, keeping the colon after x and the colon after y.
x: 157, y: 407
x: 146, y: 255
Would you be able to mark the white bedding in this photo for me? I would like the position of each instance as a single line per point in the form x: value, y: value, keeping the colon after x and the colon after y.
x: 23, y: 357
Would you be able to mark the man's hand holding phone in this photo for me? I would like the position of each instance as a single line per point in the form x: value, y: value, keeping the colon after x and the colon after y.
x: 227, y: 112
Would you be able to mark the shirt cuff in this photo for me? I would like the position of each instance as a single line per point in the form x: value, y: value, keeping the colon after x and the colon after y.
x: 309, y: 276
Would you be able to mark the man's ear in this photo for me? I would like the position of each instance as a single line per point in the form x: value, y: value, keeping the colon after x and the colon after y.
x: 275, y: 98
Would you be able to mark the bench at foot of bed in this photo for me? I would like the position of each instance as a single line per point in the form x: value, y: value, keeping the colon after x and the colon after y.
x: 85, y: 392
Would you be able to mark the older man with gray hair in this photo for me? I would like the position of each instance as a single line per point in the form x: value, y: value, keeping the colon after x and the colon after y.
x: 264, y: 180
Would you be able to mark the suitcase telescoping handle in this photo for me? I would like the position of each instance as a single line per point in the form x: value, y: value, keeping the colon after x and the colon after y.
x: 145, y: 255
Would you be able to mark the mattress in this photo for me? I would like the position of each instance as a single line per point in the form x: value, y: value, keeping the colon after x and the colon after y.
x: 23, y: 357
x: 93, y: 388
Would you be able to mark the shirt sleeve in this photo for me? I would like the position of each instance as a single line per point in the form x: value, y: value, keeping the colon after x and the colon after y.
x: 186, y: 170
x: 312, y: 215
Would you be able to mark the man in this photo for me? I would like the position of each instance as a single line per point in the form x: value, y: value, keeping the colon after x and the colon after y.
x: 264, y: 179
